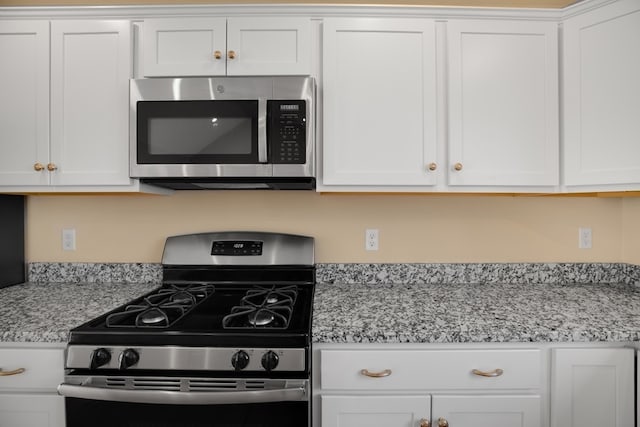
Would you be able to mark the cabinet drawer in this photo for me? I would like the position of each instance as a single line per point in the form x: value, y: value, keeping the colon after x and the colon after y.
x: 43, y: 368
x: 430, y: 370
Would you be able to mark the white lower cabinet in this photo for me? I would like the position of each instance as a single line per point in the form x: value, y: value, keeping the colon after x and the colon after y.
x: 426, y: 410
x: 467, y: 385
x: 420, y: 387
x: 31, y: 410
x: 29, y: 376
x: 375, y: 411
x: 592, y: 387
x: 494, y: 411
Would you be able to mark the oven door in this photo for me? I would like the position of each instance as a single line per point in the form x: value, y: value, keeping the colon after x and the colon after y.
x: 155, y: 402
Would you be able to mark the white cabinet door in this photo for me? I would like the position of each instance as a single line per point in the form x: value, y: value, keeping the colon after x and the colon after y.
x: 279, y: 46
x: 375, y: 411
x: 494, y: 411
x: 31, y: 410
x: 184, y: 47
x: 218, y: 47
x: 379, y: 106
x: 601, y: 80
x: 592, y: 387
x: 90, y: 71
x: 24, y: 103
x: 503, y: 103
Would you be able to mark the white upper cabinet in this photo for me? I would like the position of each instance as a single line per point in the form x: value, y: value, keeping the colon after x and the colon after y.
x: 24, y: 103
x: 219, y: 46
x: 503, y: 103
x: 390, y: 90
x: 90, y: 71
x: 64, y: 122
x: 379, y: 111
x: 601, y: 80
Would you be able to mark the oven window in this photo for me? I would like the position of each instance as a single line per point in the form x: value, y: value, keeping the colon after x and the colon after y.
x: 184, y: 132
x: 84, y: 412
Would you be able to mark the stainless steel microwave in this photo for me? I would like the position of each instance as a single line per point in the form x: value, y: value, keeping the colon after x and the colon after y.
x: 223, y: 133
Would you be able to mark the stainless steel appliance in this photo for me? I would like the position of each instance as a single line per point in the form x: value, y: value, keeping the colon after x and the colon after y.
x: 223, y: 342
x: 218, y: 133
x: 12, y: 260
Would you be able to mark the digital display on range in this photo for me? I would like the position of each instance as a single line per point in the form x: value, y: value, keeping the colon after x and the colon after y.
x: 237, y: 248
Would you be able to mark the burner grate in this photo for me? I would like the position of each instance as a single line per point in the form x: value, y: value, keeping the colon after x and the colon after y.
x: 162, y: 308
x: 263, y: 307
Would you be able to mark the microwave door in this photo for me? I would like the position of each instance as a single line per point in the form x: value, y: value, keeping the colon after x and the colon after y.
x: 202, y: 138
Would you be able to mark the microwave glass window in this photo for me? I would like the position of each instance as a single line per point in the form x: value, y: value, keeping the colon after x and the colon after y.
x: 199, y: 131
x: 200, y: 135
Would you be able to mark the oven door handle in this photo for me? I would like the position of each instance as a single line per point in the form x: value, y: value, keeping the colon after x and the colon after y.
x: 181, y: 397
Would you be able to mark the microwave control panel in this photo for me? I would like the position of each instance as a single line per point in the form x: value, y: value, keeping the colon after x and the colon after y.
x: 287, y: 131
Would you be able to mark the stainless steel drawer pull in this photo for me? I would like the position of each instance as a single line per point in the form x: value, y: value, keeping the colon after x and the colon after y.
x: 9, y: 373
x: 494, y: 373
x: 381, y: 374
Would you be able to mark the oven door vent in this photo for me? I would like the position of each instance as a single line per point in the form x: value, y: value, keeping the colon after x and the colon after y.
x: 222, y: 385
x: 156, y: 384
x: 184, y: 384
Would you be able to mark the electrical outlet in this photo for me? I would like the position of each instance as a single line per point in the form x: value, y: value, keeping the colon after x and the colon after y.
x: 371, y: 239
x: 68, y: 239
x: 584, y: 238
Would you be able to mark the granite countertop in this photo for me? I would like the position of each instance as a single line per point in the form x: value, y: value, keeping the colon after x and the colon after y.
x: 45, y: 312
x: 388, y: 303
x: 453, y: 313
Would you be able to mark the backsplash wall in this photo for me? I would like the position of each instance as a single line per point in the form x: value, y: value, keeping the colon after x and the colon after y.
x: 413, y: 228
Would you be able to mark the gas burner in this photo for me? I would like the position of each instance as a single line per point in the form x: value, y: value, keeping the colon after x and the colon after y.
x: 263, y: 307
x: 161, y: 308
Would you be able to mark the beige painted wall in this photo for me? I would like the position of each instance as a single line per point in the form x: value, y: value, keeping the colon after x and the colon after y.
x: 413, y: 228
x: 631, y: 230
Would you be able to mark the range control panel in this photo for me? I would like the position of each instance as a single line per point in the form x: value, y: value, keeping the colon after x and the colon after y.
x: 187, y: 358
x: 237, y: 248
x: 287, y: 131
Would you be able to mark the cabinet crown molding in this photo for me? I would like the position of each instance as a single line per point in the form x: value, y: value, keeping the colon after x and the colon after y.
x: 313, y: 10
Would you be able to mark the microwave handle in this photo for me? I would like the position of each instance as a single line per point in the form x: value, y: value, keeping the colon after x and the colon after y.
x: 262, y: 130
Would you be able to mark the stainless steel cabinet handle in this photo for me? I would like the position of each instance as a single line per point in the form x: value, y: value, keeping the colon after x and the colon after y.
x: 9, y: 373
x: 380, y: 374
x: 494, y: 373
x: 442, y: 422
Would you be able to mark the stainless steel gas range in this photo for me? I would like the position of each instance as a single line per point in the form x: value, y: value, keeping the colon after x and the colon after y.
x: 225, y: 341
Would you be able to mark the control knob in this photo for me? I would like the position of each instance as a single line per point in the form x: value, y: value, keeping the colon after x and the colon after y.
x: 128, y: 358
x: 270, y: 360
x: 100, y: 357
x: 240, y: 360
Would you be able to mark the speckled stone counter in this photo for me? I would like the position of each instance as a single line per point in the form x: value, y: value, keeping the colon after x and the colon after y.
x: 45, y: 312
x: 395, y: 303
x: 450, y: 303
x: 453, y: 313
